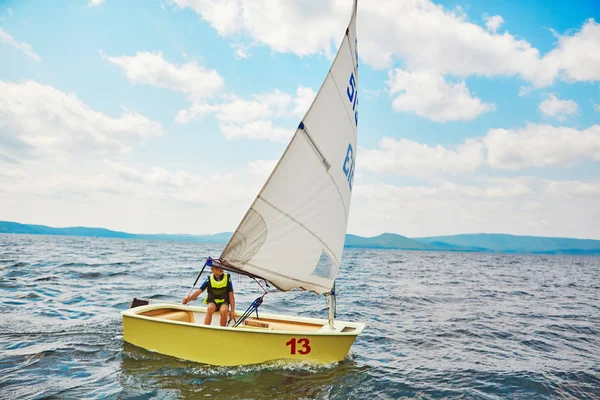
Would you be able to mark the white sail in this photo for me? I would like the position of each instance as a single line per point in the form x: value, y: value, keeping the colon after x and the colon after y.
x: 293, y: 234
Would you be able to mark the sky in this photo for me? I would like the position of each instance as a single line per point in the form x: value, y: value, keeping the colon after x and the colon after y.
x: 167, y: 116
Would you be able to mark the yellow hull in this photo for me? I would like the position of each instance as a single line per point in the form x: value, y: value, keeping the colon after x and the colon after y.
x: 179, y: 331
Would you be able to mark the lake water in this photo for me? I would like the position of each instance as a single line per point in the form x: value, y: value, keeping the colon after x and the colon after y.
x: 439, y: 325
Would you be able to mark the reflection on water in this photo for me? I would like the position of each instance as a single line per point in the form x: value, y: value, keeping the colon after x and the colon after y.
x: 439, y: 325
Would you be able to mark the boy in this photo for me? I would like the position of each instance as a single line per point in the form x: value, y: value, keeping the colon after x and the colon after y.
x: 220, y: 295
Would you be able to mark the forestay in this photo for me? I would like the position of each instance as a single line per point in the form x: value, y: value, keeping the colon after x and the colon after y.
x: 293, y: 234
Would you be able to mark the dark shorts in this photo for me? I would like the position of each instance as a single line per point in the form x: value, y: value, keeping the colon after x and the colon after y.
x: 218, y: 306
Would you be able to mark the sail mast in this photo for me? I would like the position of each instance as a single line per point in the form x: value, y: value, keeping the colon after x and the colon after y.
x: 332, y: 308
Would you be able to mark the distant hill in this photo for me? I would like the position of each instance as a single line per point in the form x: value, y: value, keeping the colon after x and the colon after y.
x: 480, y: 242
x: 14, y: 227
x: 399, y: 242
x: 503, y: 243
x: 386, y: 241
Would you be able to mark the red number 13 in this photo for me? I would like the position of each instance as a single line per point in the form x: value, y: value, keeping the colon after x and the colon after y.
x: 304, y: 342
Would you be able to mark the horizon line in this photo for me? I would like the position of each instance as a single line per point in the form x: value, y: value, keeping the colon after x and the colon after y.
x: 347, y: 233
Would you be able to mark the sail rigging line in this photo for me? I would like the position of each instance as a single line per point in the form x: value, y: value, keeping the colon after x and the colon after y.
x: 251, y: 308
x: 302, y: 225
x: 208, y: 262
x: 261, y: 286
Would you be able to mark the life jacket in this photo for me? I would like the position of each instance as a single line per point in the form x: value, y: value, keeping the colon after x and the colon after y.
x: 217, y: 290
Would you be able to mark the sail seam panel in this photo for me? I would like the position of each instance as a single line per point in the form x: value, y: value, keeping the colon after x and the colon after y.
x: 302, y: 225
x: 350, y: 117
x: 346, y: 209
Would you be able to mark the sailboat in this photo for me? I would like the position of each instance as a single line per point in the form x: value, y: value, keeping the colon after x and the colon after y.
x: 292, y: 236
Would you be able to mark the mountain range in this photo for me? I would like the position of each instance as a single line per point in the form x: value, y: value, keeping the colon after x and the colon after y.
x: 478, y: 242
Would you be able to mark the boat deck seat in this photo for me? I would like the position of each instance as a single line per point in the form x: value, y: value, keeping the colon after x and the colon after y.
x: 179, y: 315
x: 253, y: 324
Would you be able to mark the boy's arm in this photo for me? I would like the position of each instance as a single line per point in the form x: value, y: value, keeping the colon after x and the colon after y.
x: 232, y: 303
x: 197, y: 293
x: 193, y: 296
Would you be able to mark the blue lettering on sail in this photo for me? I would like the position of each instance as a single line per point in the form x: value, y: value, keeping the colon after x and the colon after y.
x: 348, y: 166
x: 352, y: 85
x: 352, y: 93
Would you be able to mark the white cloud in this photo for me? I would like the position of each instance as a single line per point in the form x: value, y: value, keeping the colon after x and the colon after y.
x: 236, y: 110
x: 532, y: 146
x: 162, y: 180
x: 559, y: 109
x: 152, y: 69
x: 373, y: 94
x: 507, y: 190
x: 95, y: 3
x: 143, y: 186
x: 303, y: 100
x: 12, y: 174
x: 577, y: 55
x: 405, y: 157
x: 541, y: 145
x: 223, y: 15
x: 454, y: 45
x: 262, y: 168
x: 311, y: 26
x: 525, y: 90
x: 241, y: 50
x: 430, y: 96
x: 37, y: 120
x: 572, y: 188
x: 404, y: 30
x: 501, y: 189
x: 519, y: 206
x: 493, y: 23
x: 123, y: 196
x: 596, y: 107
x: 196, y: 110
x: 257, y: 130
x: 272, y: 104
x: 458, y: 47
x: 24, y: 47
x: 251, y: 118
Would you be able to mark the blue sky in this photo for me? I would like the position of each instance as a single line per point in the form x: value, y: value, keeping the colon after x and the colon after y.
x: 167, y: 116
